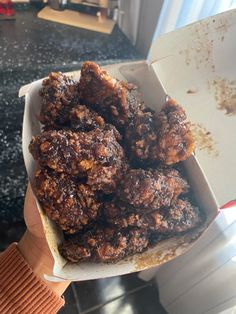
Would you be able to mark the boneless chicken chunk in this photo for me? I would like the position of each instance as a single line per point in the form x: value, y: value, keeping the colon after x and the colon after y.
x: 105, y: 245
x: 95, y: 154
x: 179, y: 217
x: 176, y: 141
x: 151, y: 188
x: 72, y: 205
x: 59, y: 93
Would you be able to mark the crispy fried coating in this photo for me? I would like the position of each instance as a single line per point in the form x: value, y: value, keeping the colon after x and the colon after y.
x: 79, y: 153
x: 105, y: 179
x: 116, y: 101
x: 59, y: 150
x: 181, y: 216
x: 114, y: 131
x: 152, y: 188
x: 72, y: 152
x: 99, y: 90
x: 130, y: 234
x: 82, y: 118
x: 164, y: 136
x: 175, y: 141
x: 134, y: 101
x: 104, y: 245
x: 115, y: 209
x: 59, y: 93
x: 141, y: 137
x: 70, y: 204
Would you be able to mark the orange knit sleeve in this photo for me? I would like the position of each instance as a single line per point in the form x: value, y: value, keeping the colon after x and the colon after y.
x: 21, y: 291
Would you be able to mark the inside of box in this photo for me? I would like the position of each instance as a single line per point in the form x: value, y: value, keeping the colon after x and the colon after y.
x: 195, y: 64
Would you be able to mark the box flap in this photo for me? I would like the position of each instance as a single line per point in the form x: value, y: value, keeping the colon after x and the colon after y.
x: 195, y: 64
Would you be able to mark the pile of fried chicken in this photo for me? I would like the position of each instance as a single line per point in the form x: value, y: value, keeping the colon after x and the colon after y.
x: 107, y: 171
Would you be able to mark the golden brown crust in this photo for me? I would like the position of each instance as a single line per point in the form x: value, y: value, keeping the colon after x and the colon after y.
x: 98, y: 89
x: 82, y: 118
x: 59, y: 93
x: 70, y: 204
x: 118, y: 102
x: 164, y: 136
x: 141, y: 137
x: 151, y: 188
x: 176, y: 141
x: 79, y: 153
x: 104, y: 245
x: 106, y: 179
x: 179, y: 217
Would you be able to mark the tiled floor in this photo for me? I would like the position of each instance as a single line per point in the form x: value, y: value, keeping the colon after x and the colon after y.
x: 118, y: 295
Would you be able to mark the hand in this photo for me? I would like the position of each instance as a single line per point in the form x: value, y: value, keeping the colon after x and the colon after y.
x: 33, y: 244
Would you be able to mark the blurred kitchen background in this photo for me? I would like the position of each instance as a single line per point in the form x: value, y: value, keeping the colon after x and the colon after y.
x: 37, y: 37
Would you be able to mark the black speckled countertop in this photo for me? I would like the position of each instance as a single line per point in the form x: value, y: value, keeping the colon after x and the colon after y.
x: 29, y: 49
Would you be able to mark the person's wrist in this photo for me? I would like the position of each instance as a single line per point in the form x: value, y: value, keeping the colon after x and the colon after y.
x: 37, y: 254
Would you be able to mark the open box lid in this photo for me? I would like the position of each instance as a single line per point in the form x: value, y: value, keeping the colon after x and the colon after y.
x: 195, y: 64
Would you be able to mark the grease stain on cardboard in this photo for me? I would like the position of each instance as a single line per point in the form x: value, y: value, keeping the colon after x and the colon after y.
x: 225, y: 95
x: 153, y: 259
x: 204, y: 140
x: 147, y: 260
x: 222, y: 26
x: 176, y: 247
x: 192, y: 91
x: 199, y: 49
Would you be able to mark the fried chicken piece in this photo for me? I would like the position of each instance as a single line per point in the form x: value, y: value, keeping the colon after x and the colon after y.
x: 72, y: 152
x: 70, y: 204
x: 116, y: 101
x: 79, y: 153
x: 104, y: 245
x: 106, y: 178
x: 99, y: 89
x: 152, y: 188
x: 134, y: 101
x: 181, y: 216
x: 115, y: 209
x: 59, y: 93
x: 163, y: 136
x: 175, y: 141
x: 141, y: 137
x: 82, y: 118
x: 59, y: 150
x: 114, y: 131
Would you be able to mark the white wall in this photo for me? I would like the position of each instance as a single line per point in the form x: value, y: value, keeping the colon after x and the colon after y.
x: 129, y: 18
x: 139, y: 21
x: 148, y: 19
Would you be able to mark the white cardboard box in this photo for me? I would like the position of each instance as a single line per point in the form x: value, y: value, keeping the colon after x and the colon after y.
x: 193, y: 63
